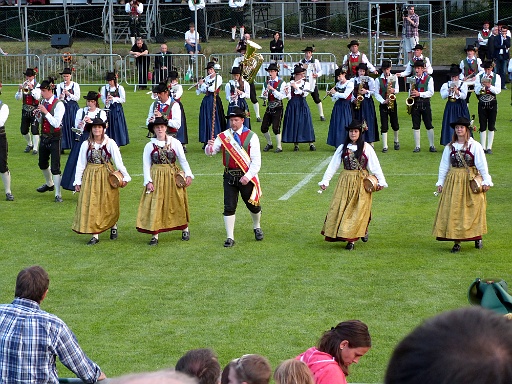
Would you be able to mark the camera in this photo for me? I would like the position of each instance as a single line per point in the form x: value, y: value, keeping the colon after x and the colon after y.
x: 405, y: 11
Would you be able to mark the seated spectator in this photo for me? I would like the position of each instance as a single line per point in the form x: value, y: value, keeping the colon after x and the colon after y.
x: 191, y: 39
x: 250, y: 369
x: 159, y: 377
x: 202, y: 364
x: 469, y: 345
x: 293, y: 372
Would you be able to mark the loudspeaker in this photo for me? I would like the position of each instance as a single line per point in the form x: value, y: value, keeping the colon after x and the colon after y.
x: 61, y: 41
x: 160, y: 38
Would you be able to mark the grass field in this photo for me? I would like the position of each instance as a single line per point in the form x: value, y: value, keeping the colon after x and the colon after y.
x: 135, y: 307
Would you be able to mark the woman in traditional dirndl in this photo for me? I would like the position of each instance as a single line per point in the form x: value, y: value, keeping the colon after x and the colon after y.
x: 113, y: 96
x: 461, y: 214
x: 365, y: 110
x: 163, y: 205
x: 98, y: 203
x: 350, y: 209
x: 455, y: 92
x: 341, y: 114
x: 69, y: 92
x: 83, y: 116
x: 176, y: 91
x: 297, y: 123
x: 238, y: 91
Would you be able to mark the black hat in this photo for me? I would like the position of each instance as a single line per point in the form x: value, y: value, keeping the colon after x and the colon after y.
x: 236, y: 112
x: 91, y: 95
x: 339, y: 71
x: 362, y: 66
x: 353, y: 42
x: 160, y: 87
x: 210, y: 64
x: 110, y: 76
x: 385, y: 64
x: 30, y: 72
x: 418, y: 46
x: 355, y: 124
x: 461, y: 121
x: 158, y: 121
x: 454, y: 70
x: 419, y: 63
x: 487, y: 64
x: 470, y: 47
x: 272, y: 67
x: 242, y: 47
x: 236, y: 71
x: 298, y: 69
x: 95, y: 121
x: 309, y: 49
x: 66, y: 71
x: 173, y: 75
x: 46, y: 84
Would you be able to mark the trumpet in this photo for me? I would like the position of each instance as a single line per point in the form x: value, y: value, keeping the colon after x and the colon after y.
x: 25, y: 89
x: 410, y: 101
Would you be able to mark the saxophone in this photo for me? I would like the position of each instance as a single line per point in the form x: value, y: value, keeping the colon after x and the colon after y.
x: 410, y: 101
x: 390, y: 95
x: 360, y: 97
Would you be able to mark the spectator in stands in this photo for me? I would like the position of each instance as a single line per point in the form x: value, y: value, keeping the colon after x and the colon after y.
x: 276, y: 46
x: 490, y: 42
x: 483, y: 37
x: 192, y: 39
x: 237, y: 17
x: 410, y: 30
x: 159, y: 377
x: 4, y: 169
x: 501, y: 54
x: 140, y: 51
x: 32, y: 339
x: 250, y: 369
x: 293, y: 372
x: 469, y: 345
x: 134, y: 9
x: 202, y: 364
x: 337, y: 349
x: 163, y: 64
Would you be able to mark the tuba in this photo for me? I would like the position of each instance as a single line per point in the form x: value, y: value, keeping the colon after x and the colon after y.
x: 252, y: 61
x: 410, y: 101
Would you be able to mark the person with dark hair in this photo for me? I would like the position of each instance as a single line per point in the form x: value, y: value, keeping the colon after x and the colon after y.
x: 363, y: 107
x: 461, y: 214
x: 30, y: 93
x: 350, y: 209
x: 276, y: 47
x: 352, y: 59
x: 165, y: 107
x: 69, y: 92
x: 483, y: 38
x: 501, y: 54
x: 337, y: 349
x: 31, y: 339
x: 313, y: 72
x: 250, y: 369
x: 341, y: 114
x: 113, y: 96
x: 468, y: 345
x: 200, y: 363
x: 237, y: 91
x: 140, y: 52
x: 293, y: 371
x: 4, y: 169
x: 411, y: 22
x: 470, y: 67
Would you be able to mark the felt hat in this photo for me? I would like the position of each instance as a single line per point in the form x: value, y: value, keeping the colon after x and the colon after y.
x: 470, y: 47
x: 91, y: 95
x: 210, y: 64
x: 385, y: 64
x: 66, y: 71
x: 419, y: 63
x: 236, y: 71
x: 173, y: 75
x: 158, y: 121
x: 30, y: 72
x: 418, y: 46
x: 454, y: 70
x: 160, y: 87
x: 308, y: 49
x: 339, y: 71
x: 353, y: 42
x: 362, y: 66
x: 355, y: 124
x: 47, y: 84
x: 236, y: 112
x: 272, y: 67
x: 95, y: 121
x: 298, y: 69
x: 110, y: 76
x: 461, y: 121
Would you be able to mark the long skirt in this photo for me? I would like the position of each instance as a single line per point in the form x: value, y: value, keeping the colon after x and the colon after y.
x: 297, y: 123
x: 242, y: 103
x: 367, y: 113
x: 68, y: 122
x: 205, y: 118
x: 182, y: 134
x: 452, y: 111
x: 98, y: 203
x: 341, y: 117
x: 166, y: 208
x: 68, y: 176
x: 349, y: 213
x: 461, y: 214
x: 117, y: 129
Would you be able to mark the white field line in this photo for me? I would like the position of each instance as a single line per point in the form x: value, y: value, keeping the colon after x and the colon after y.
x: 297, y: 173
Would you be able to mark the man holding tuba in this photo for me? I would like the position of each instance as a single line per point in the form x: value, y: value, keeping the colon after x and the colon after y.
x: 30, y: 93
x: 386, y: 88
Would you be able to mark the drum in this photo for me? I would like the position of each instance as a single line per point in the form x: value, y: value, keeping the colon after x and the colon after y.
x: 181, y: 181
x: 370, y: 183
x: 115, y: 179
x: 476, y: 184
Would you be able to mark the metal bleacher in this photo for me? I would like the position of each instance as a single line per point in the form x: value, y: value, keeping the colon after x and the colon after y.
x: 390, y: 50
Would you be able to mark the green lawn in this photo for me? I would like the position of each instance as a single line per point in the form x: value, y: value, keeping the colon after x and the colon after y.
x: 135, y: 307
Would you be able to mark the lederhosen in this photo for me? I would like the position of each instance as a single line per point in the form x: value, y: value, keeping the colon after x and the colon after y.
x: 50, y: 142
x: 314, y: 92
x: 274, y: 112
x: 3, y: 148
x: 487, y: 108
x: 385, y: 113
x: 28, y: 119
x: 134, y: 22
x: 421, y: 108
x: 232, y: 175
x: 469, y: 70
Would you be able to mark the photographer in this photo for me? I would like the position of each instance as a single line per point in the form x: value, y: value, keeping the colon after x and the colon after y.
x: 410, y: 30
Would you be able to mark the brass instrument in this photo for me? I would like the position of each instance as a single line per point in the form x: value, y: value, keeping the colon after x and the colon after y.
x: 453, y: 86
x: 390, y: 95
x: 360, y: 97
x: 410, y: 101
x: 251, y: 62
x: 25, y: 89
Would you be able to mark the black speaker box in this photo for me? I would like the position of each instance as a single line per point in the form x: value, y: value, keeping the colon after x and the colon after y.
x: 61, y: 41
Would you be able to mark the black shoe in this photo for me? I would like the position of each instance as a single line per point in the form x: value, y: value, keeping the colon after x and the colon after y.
x: 45, y: 188
x: 185, y: 235
x: 456, y: 248
x: 93, y: 241
x: 312, y: 147
x: 296, y: 148
x: 229, y: 243
x: 258, y: 119
x: 432, y: 149
x: 364, y: 239
x: 278, y: 150
x: 489, y: 152
x: 28, y: 148
x: 258, y: 234
x: 184, y: 149
x: 58, y: 199
x: 322, y: 118
x: 204, y: 146
x: 9, y: 197
x: 397, y: 146
x: 153, y: 241
x: 384, y: 150
x: 268, y: 147
x: 479, y: 244
x: 232, y: 40
x: 349, y: 246
x: 113, y: 233
x: 34, y: 152
x: 416, y: 150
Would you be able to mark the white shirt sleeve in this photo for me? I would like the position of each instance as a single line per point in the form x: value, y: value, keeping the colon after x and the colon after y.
x: 4, y: 114
x: 55, y: 120
x: 318, y: 68
x: 175, y: 122
x: 118, y: 160
x: 346, y: 94
x: 81, y: 163
x: 255, y: 165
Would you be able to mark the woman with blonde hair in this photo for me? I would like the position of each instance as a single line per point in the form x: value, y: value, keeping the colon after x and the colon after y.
x: 293, y: 371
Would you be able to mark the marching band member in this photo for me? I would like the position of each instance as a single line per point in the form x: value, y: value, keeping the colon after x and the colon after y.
x: 165, y: 107
x: 313, y: 71
x: 237, y: 91
x: 113, y: 96
x: 352, y: 59
x: 4, y: 169
x: 386, y: 89
x: 175, y: 92
x: 454, y: 91
x: 362, y: 103
x: 483, y: 38
x: 470, y: 67
x: 30, y: 93
x: 134, y: 9
x: 341, y: 115
x: 298, y: 125
x: 417, y: 56
x: 69, y: 92
x: 237, y: 17
x: 487, y: 86
x: 274, y: 93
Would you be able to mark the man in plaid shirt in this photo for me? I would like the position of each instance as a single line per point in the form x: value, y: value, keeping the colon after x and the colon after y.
x: 410, y: 31
x: 31, y: 339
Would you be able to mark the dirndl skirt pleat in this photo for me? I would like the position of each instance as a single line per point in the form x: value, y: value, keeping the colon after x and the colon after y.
x: 68, y: 122
x: 117, y: 129
x: 182, y: 134
x: 461, y: 214
x: 367, y: 113
x: 297, y: 123
x: 98, y: 203
x: 350, y: 209
x: 341, y: 117
x: 205, y: 118
x: 68, y: 176
x: 166, y: 208
x: 452, y: 111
